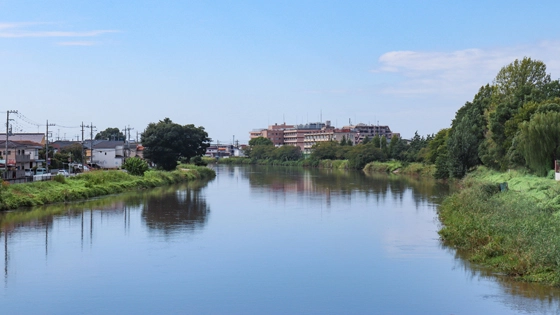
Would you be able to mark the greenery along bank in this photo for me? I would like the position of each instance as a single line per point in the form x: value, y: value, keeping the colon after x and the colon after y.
x: 515, y: 232
x: 92, y: 184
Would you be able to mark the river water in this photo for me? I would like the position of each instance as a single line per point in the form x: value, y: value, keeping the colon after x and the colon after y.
x: 255, y: 240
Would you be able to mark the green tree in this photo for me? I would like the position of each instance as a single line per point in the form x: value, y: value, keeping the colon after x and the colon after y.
x: 287, y: 153
x: 362, y: 154
x: 434, y: 147
x: 166, y: 142
x: 327, y: 150
x: 515, y: 84
x: 260, y: 141
x: 110, y: 134
x: 135, y: 166
x: 366, y: 140
x: 261, y: 152
x: 539, y: 141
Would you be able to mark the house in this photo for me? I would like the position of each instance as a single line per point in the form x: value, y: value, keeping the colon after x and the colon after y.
x: 105, y: 154
x: 20, y: 156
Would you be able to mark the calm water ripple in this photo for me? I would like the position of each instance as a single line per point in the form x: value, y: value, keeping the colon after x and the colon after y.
x: 255, y: 240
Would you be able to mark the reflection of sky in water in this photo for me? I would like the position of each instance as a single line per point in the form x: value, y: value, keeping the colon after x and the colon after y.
x: 276, y: 241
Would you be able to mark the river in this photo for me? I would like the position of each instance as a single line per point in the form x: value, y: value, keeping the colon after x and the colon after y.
x: 254, y: 240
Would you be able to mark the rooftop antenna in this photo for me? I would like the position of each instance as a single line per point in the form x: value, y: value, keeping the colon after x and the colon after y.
x: 321, y: 120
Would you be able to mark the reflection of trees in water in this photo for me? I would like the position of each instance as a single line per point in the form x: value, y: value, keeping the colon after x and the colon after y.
x: 530, y: 298
x: 345, y: 183
x: 181, y: 210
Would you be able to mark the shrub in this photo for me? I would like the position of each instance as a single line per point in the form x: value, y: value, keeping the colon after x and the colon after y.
x: 135, y: 166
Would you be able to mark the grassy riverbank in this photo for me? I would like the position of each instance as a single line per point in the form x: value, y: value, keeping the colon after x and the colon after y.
x: 516, y: 232
x: 92, y: 184
x: 397, y: 167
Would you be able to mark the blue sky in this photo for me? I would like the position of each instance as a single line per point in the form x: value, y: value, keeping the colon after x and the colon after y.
x: 232, y: 66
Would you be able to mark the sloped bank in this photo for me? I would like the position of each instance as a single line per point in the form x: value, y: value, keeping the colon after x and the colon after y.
x: 93, y: 184
x: 514, y: 232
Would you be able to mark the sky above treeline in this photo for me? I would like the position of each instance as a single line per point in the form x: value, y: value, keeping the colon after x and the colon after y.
x: 233, y: 66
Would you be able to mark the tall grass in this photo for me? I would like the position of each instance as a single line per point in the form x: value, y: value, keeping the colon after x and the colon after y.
x: 516, y: 232
x: 92, y: 184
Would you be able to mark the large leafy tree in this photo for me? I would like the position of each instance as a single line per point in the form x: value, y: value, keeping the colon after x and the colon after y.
x: 467, y: 133
x: 166, y: 142
x: 260, y: 141
x: 539, y: 141
x: 516, y: 84
x: 110, y: 134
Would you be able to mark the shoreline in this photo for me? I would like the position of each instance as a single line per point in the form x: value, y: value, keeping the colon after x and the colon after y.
x: 93, y: 184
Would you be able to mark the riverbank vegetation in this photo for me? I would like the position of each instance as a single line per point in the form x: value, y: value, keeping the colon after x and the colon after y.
x: 92, y: 184
x: 515, y: 232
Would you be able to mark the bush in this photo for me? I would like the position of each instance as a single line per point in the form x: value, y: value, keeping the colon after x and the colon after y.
x: 59, y: 178
x: 135, y: 166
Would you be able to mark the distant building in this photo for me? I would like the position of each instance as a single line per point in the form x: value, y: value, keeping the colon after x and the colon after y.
x: 274, y: 133
x: 296, y: 136
x: 306, y: 135
x: 330, y: 134
x: 371, y: 131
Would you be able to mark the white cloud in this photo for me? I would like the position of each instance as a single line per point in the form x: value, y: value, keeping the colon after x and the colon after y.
x: 20, y: 30
x: 459, y: 72
x: 77, y: 43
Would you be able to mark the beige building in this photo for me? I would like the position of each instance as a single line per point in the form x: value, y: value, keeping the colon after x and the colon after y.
x: 330, y: 134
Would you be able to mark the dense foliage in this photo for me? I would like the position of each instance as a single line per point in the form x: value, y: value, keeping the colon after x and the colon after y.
x: 113, y: 134
x: 510, y: 123
x: 166, y: 143
x: 135, y: 166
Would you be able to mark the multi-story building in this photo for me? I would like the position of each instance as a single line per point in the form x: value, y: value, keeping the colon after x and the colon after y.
x: 328, y: 134
x: 274, y: 132
x: 371, y: 131
x: 296, y: 136
x: 305, y: 136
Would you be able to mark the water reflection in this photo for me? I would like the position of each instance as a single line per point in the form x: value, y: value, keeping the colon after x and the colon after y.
x: 324, y: 182
x: 176, y: 210
x: 166, y: 209
x: 530, y: 298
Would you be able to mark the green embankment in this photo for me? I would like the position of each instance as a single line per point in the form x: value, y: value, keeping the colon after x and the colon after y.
x: 396, y: 167
x: 515, y: 232
x: 92, y: 184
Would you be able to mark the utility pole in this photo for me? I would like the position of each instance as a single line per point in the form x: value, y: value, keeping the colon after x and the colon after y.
x: 47, y: 147
x: 83, y: 155
x: 7, y: 133
x: 91, y: 126
x: 127, y: 136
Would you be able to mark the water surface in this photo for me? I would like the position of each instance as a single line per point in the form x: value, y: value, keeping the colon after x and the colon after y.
x: 255, y: 240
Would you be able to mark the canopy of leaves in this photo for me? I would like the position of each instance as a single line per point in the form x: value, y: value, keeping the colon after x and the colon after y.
x: 135, y: 166
x: 166, y: 142
x: 113, y: 134
x: 260, y: 141
x: 539, y: 141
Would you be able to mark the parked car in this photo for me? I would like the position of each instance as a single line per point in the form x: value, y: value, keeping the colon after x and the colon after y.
x: 63, y: 172
x: 28, y: 172
x: 40, y: 171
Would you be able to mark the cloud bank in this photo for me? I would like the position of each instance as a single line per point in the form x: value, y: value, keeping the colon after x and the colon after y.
x: 459, y: 72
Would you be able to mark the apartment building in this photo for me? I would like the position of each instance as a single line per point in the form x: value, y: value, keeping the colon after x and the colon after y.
x: 328, y: 134
x: 274, y: 132
x: 370, y: 131
x: 296, y: 136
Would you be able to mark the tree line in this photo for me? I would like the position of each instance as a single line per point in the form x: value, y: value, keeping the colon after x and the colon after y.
x: 369, y: 150
x: 513, y: 122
